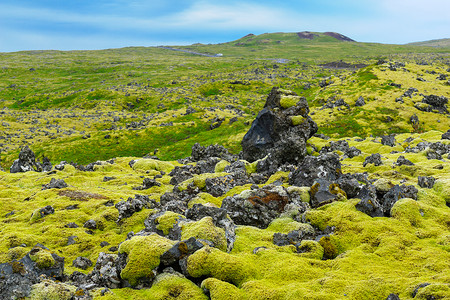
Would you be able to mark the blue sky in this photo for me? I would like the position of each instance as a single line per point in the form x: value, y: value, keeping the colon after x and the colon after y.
x: 91, y: 24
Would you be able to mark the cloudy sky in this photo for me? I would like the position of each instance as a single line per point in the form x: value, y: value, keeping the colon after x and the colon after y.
x: 100, y: 24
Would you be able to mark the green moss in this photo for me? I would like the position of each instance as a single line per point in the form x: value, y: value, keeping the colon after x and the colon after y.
x: 280, y: 175
x: 311, y: 249
x: 51, y: 290
x: 148, y: 164
x: 220, y: 265
x: 17, y: 252
x: 205, y: 229
x: 297, y: 120
x: 167, y: 286
x: 250, y: 167
x: 287, y: 101
x: 205, y: 199
x: 407, y: 209
x: 303, y: 192
x: 42, y: 257
x: 222, y: 290
x: 143, y: 256
x: 220, y: 166
x: 434, y: 291
x: 199, y: 180
x: 167, y: 220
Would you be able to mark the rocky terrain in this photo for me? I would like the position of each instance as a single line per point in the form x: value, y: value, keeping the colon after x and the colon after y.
x: 262, y: 180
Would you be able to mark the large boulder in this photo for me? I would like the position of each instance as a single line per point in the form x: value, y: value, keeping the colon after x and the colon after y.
x: 280, y: 129
x: 27, y: 162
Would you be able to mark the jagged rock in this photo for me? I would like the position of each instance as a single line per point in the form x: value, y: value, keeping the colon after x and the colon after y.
x: 324, y: 192
x: 369, y: 203
x: 218, y: 186
x: 147, y: 183
x: 446, y: 135
x: 410, y: 92
x: 55, y: 184
x: 203, y: 153
x: 326, y: 166
x: 26, y: 161
x: 374, y: 159
x: 38, y: 214
x: 155, y: 222
x: 402, y: 161
x: 393, y: 297
x: 259, y: 207
x: 182, y: 173
x: 105, y: 272
x: 181, y: 250
x: 90, y: 224
x: 82, y: 263
x: 388, y: 140
x: 18, y: 276
x: 220, y: 219
x: 294, y: 237
x: 207, y: 166
x: 426, y: 182
x: 281, y: 129
x: 360, y: 101
x: 396, y: 193
x: 436, y: 102
x: 341, y: 146
x: 433, y: 155
x: 349, y: 184
x: 128, y: 208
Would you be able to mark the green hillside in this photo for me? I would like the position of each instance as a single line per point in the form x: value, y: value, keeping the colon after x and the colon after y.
x: 440, y: 43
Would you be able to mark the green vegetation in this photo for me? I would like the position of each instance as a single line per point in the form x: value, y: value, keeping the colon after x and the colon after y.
x: 87, y: 106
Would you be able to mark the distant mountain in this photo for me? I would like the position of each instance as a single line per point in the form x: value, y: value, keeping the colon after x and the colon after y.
x: 441, y: 43
x: 290, y: 37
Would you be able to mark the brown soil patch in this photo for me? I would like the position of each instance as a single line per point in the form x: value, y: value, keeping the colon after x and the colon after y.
x: 80, y: 195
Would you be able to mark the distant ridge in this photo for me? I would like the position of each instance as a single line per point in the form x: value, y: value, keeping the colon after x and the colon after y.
x: 290, y: 37
x: 439, y: 43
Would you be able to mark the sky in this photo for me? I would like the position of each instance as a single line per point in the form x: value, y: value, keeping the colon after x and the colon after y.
x: 103, y: 24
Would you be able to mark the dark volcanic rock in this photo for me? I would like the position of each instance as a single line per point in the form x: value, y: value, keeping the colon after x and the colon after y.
x: 26, y: 161
x: 82, y: 262
x: 326, y: 166
x: 373, y: 159
x: 203, y: 153
x: 258, y: 207
x: 324, y: 192
x: 180, y: 250
x: 388, y: 140
x: 401, y: 160
x: 128, y: 208
x: 55, y: 184
x: 281, y: 129
x: 369, y: 203
x: 18, y: 276
x: 106, y: 271
x: 446, y: 135
x: 360, y: 101
x: 426, y: 182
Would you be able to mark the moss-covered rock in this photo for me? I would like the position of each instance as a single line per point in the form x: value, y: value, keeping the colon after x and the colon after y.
x: 143, y: 254
x: 407, y: 209
x: 205, y: 229
x: 51, y: 290
x: 167, y: 221
x: 220, y: 265
x: 148, y: 164
x: 42, y: 257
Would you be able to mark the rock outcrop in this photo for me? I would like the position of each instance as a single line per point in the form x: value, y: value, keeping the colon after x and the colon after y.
x: 281, y: 129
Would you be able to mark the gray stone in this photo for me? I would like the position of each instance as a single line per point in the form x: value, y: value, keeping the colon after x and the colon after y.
x: 273, y: 132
